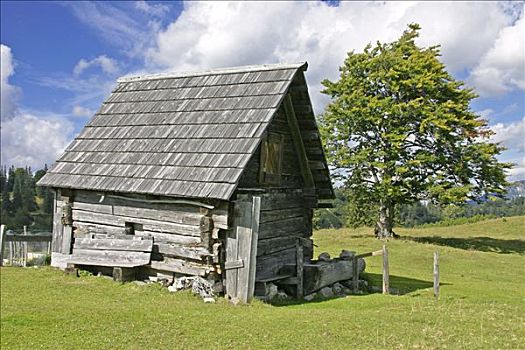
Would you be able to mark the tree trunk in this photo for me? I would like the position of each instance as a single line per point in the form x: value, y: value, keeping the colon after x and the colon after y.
x: 385, y: 224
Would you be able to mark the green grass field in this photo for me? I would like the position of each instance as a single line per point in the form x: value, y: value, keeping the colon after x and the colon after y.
x: 482, y: 302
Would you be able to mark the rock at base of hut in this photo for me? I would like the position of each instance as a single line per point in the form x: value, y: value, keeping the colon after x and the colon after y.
x: 338, y: 289
x: 209, y: 300
x: 363, y: 284
x: 202, y: 287
x: 346, y: 255
x: 271, y: 291
x: 326, y: 292
x: 183, y: 282
x: 139, y: 283
x: 324, y: 257
x: 173, y: 289
x: 281, y: 296
x: 347, y: 291
x: 309, y: 297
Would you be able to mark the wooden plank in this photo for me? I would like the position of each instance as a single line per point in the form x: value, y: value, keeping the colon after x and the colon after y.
x: 170, y: 212
x: 272, y: 245
x: 67, y: 239
x: 386, y: 276
x: 255, y: 217
x: 139, y: 245
x: 231, y: 254
x: 269, y: 266
x: 87, y: 228
x: 57, y: 227
x: 2, y: 243
x: 289, y: 227
x: 436, y: 274
x: 109, y: 258
x: 299, y: 274
x: 298, y: 142
x: 169, y: 238
x: 147, y: 224
x: 276, y: 215
x: 233, y: 264
x: 180, y: 266
x: 176, y: 250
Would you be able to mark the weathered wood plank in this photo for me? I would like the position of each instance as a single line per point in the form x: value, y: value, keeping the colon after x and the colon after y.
x: 175, y: 213
x: 147, y: 224
x: 298, y: 142
x: 181, y: 266
x: 299, y: 270
x: 268, y: 266
x: 288, y: 227
x: 175, y: 250
x: 276, y: 215
x: 142, y: 245
x: 86, y: 228
x: 317, y: 276
x: 273, y: 245
x: 109, y: 258
x: 169, y: 238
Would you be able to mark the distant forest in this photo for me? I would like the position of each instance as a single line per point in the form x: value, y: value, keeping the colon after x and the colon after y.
x: 22, y: 202
x: 345, y: 214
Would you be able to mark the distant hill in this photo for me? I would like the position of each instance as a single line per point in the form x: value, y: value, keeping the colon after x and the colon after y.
x: 516, y: 190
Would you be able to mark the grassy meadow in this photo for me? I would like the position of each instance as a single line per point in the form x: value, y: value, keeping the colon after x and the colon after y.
x: 481, y: 306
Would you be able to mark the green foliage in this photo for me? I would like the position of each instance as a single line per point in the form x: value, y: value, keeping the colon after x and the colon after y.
x: 400, y: 129
x: 18, y: 199
x: 332, y: 217
x: 480, y: 305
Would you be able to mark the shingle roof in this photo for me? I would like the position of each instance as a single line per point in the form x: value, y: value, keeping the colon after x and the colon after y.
x: 184, y: 134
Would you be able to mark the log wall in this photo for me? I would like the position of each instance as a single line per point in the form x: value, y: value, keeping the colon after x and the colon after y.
x: 283, y: 222
x: 185, y: 236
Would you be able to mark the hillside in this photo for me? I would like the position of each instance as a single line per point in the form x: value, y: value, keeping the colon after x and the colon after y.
x: 481, y: 302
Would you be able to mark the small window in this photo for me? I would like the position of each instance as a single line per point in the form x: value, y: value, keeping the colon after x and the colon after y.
x: 129, y: 228
x: 271, y: 159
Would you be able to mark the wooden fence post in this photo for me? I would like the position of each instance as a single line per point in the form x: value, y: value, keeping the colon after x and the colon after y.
x: 2, y: 243
x: 24, y: 249
x: 299, y: 266
x: 386, y: 277
x: 355, y: 274
x: 436, y: 274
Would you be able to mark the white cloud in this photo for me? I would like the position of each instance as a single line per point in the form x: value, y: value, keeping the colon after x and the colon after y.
x: 31, y: 140
x: 156, y: 10
x: 511, y: 135
x: 115, y: 24
x: 79, y: 111
x: 108, y: 65
x: 517, y: 172
x: 502, y: 68
x: 9, y: 93
x: 28, y: 138
x: 218, y: 34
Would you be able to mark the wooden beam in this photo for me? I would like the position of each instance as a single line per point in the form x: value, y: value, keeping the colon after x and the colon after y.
x: 2, y: 241
x: 298, y: 142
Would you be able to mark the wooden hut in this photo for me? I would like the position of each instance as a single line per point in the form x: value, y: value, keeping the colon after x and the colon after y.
x: 214, y: 174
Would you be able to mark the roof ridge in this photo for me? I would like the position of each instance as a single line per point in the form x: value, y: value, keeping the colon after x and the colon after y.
x: 218, y: 71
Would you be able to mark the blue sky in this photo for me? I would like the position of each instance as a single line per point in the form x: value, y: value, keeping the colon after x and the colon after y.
x: 61, y: 59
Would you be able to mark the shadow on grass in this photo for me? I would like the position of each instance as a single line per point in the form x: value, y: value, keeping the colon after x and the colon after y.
x: 483, y: 244
x: 398, y: 286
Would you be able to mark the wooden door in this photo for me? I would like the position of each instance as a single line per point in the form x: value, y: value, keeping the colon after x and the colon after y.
x: 241, y: 249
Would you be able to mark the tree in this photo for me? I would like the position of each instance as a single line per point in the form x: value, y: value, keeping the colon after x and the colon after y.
x: 400, y: 129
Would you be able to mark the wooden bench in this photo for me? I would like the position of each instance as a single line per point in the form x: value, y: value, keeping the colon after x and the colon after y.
x: 123, y: 253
